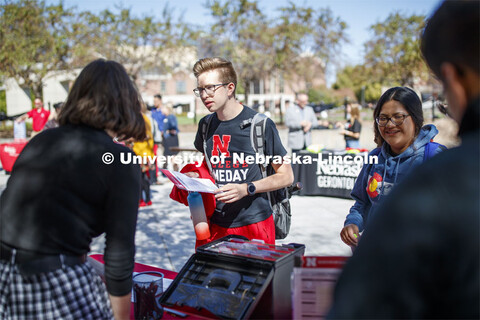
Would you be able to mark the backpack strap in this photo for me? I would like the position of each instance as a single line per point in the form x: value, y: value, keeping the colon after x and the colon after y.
x: 431, y: 149
x: 257, y: 138
x: 205, y: 127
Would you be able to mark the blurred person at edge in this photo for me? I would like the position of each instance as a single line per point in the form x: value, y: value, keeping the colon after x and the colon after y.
x: 420, y: 258
x: 300, y: 120
x: 53, y: 118
x: 402, y: 139
x: 157, y: 113
x: 170, y: 133
x: 352, y: 128
x: 68, y: 186
x: 39, y: 117
x: 144, y: 148
x: 158, y: 116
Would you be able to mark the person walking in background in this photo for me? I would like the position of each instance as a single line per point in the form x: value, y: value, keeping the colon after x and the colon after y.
x: 420, y: 257
x: 157, y: 113
x: 39, y: 117
x: 170, y: 133
x: 300, y: 119
x: 402, y: 144
x: 242, y: 206
x: 157, y: 139
x: 352, y: 128
x: 144, y: 148
x: 158, y: 116
x: 67, y: 187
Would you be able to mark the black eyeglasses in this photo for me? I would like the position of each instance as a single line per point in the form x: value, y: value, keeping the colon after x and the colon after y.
x: 209, y: 89
x: 397, y: 119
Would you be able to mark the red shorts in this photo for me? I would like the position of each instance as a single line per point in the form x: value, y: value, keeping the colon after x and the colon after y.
x: 263, y: 230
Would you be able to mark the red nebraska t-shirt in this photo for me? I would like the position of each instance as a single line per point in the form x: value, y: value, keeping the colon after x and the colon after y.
x: 39, y: 118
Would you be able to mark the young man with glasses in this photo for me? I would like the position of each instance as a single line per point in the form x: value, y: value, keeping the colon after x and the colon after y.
x: 242, y: 205
x: 420, y: 257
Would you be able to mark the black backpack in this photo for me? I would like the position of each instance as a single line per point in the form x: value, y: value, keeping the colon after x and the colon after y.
x: 279, y: 199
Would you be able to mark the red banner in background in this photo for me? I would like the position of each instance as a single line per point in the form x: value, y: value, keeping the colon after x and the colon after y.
x: 9, y: 153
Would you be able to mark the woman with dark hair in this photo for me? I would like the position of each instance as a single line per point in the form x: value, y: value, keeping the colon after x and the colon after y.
x: 402, y: 145
x: 69, y: 185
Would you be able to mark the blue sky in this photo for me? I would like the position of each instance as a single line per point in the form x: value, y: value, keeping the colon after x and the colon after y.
x: 358, y: 14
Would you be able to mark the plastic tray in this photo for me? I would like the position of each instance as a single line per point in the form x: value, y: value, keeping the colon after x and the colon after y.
x: 229, y: 277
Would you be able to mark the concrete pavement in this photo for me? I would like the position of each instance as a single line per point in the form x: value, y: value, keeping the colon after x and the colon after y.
x: 165, y: 235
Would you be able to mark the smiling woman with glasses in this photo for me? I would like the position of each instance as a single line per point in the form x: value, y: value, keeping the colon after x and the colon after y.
x: 398, y: 119
x: 402, y: 145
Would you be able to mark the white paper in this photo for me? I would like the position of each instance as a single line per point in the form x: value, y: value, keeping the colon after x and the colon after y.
x: 312, y: 290
x: 19, y: 130
x: 184, y: 182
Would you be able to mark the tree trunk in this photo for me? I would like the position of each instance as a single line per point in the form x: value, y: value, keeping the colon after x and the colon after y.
x: 34, y: 87
x: 37, y: 87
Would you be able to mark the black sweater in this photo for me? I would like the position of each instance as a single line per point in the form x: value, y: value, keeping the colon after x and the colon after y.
x: 60, y: 195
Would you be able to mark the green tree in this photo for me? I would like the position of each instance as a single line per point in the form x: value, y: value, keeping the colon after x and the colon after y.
x: 3, y: 101
x: 329, y: 35
x: 360, y: 79
x: 242, y: 33
x: 393, y: 52
x: 349, y: 77
x: 299, y: 38
x: 35, y: 39
x: 290, y: 31
x: 373, y: 91
x: 137, y: 43
x: 392, y: 58
x: 308, y: 42
x: 322, y: 95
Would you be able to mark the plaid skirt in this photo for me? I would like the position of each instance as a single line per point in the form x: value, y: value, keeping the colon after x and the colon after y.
x: 69, y: 293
